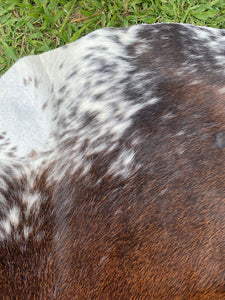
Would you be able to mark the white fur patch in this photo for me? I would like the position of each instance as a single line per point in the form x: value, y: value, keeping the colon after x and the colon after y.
x: 32, y: 201
x: 14, y: 216
x: 10, y: 221
x: 24, y: 90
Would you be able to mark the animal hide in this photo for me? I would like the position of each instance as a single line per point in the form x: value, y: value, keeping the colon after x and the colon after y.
x: 112, y: 167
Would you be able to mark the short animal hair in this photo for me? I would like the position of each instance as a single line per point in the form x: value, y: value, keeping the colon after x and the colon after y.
x: 112, y: 167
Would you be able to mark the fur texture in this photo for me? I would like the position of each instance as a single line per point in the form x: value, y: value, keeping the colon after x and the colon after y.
x: 112, y: 167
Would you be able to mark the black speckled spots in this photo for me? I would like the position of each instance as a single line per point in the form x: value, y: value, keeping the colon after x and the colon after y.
x: 29, y: 80
x: 118, y: 148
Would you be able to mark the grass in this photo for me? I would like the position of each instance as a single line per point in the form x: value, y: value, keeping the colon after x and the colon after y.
x: 34, y: 26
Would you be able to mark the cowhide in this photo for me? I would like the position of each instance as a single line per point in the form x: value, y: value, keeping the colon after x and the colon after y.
x: 112, y: 167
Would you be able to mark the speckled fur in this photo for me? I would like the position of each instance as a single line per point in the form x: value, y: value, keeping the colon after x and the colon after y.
x: 112, y: 167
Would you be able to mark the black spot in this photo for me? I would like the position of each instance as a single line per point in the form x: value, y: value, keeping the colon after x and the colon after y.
x: 87, y: 57
x: 35, y: 82
x: 11, y: 154
x: 62, y: 89
x: 71, y: 75
x: 44, y: 106
x: 59, y: 102
x: 220, y: 140
x: 52, y: 89
x: 99, y: 82
x: 89, y: 118
x: 115, y: 39
x: 98, y: 97
x: 97, y: 49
